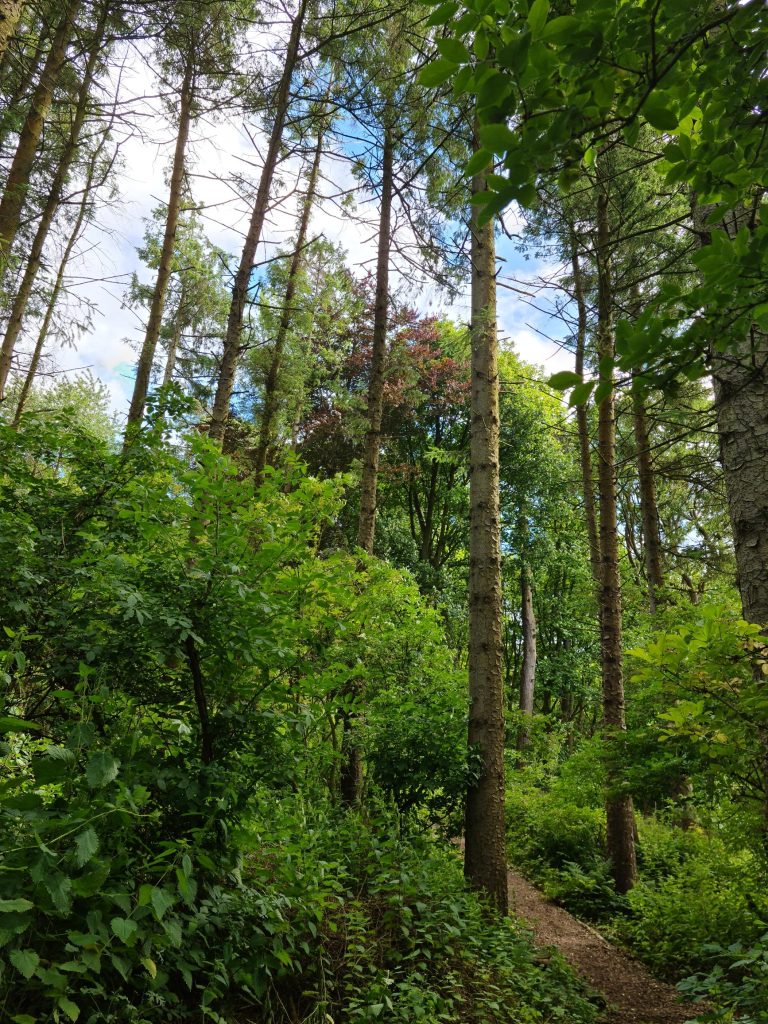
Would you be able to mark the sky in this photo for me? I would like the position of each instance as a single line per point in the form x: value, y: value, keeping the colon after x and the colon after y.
x: 220, y: 149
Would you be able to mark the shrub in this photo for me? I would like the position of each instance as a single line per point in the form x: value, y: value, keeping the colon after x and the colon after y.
x: 692, y: 892
x: 544, y: 832
x: 737, y: 984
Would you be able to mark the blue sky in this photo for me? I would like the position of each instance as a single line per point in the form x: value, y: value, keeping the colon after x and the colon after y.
x: 219, y: 149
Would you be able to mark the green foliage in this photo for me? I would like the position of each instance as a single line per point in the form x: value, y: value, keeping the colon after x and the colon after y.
x: 706, y: 677
x: 737, y: 984
x: 385, y: 931
x: 693, y: 891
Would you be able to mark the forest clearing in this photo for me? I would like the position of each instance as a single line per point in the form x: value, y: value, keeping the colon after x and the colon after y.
x: 384, y: 511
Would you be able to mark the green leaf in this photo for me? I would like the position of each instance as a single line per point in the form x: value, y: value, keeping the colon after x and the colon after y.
x: 481, y: 44
x: 563, y: 380
x: 25, y: 961
x: 439, y: 71
x: 87, y: 844
x: 443, y: 13
x: 124, y: 928
x: 658, y: 114
x: 537, y: 17
x: 478, y: 162
x: 59, y: 886
x: 102, y: 768
x: 71, y: 1009
x: 603, y: 390
x: 454, y: 50
x: 150, y: 966
x: 24, y: 1018
x: 560, y: 27
x: 162, y: 900
x: 8, y: 724
x: 15, y: 906
x: 581, y: 393
x: 497, y: 137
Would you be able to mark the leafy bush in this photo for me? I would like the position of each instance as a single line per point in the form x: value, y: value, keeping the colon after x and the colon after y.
x: 591, y: 894
x: 737, y: 985
x: 175, y: 657
x: 388, y: 931
x: 542, y: 831
x: 679, y: 908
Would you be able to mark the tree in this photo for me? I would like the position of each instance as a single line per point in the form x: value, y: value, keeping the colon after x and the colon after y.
x: 269, y: 399
x: 242, y: 281
x: 98, y: 173
x: 485, y: 862
x: 195, y: 304
x: 17, y: 182
x: 66, y: 159
x: 10, y: 12
x: 200, y: 41
x: 621, y: 841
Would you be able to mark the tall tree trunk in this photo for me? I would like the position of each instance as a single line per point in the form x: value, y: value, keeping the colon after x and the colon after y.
x: 25, y: 83
x: 10, y: 12
x: 52, y: 204
x: 269, y: 408
x: 367, y: 519
x: 649, y: 512
x: 165, y: 267
x: 241, y: 285
x: 582, y: 424
x: 528, y: 673
x: 173, y: 345
x: 740, y: 381
x: 24, y: 157
x: 45, y: 327
x: 485, y: 861
x: 620, y: 815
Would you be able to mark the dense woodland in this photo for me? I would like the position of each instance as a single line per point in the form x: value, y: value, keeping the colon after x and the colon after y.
x: 350, y: 603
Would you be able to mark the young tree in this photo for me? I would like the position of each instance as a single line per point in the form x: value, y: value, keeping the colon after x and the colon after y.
x: 270, y: 388
x: 242, y: 281
x: 485, y: 861
x: 620, y: 830
x: 200, y: 42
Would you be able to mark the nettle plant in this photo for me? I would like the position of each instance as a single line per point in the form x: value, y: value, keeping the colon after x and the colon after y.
x: 711, y: 674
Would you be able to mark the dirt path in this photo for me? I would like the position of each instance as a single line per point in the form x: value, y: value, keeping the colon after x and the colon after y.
x: 631, y: 994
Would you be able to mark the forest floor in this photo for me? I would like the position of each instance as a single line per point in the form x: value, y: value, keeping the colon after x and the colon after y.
x: 632, y: 996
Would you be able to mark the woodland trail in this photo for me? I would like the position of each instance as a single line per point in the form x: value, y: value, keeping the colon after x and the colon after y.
x: 632, y: 996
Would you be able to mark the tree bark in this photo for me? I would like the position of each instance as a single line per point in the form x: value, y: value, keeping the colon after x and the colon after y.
x: 619, y: 810
x: 366, y: 526
x: 740, y: 382
x: 45, y: 327
x: 241, y: 285
x: 485, y: 861
x: 528, y: 673
x: 10, y: 12
x: 582, y: 424
x: 269, y: 408
x: 649, y: 512
x: 52, y: 204
x: 165, y: 267
x: 24, y: 157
